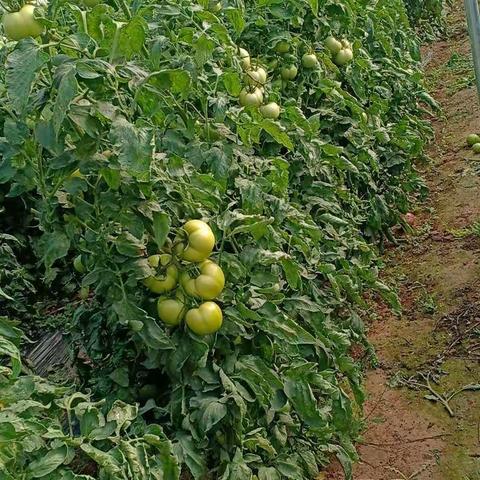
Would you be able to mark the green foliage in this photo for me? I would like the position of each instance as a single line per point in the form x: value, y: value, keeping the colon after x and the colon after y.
x: 123, y: 123
x: 46, y: 431
x: 427, y: 16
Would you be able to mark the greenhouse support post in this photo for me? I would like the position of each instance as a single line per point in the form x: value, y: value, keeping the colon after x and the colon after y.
x: 473, y: 20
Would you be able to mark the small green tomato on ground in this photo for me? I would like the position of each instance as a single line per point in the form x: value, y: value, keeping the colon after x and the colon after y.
x: 270, y: 110
x: 472, y: 139
x: 476, y: 148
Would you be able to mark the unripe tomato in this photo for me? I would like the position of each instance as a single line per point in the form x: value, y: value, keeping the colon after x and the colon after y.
x: 252, y: 98
x: 309, y: 60
x: 333, y: 45
x: 200, y: 242
x: 168, y: 275
x: 84, y: 293
x: 208, y: 285
x: 282, y: 47
x: 343, y: 57
x: 171, y: 310
x: 205, y: 319
x: 148, y: 390
x: 472, y: 139
x: 289, y: 73
x: 270, y: 110
x: 78, y: 264
x: 244, y: 58
x: 476, y: 148
x: 256, y: 77
x: 21, y: 24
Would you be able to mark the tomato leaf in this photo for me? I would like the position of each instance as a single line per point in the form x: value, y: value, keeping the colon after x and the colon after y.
x: 161, y: 228
x: 22, y: 66
x: 277, y: 133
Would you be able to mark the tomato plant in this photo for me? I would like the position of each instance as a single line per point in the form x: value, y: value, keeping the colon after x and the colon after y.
x: 142, y: 99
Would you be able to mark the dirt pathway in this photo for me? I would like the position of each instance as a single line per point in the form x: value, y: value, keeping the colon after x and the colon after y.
x: 437, y: 340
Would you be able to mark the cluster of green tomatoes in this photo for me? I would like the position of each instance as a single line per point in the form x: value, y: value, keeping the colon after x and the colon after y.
x: 252, y: 95
x: 341, y: 50
x: 473, y: 141
x: 188, y: 272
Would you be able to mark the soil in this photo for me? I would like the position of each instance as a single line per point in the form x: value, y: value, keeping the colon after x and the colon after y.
x: 436, y: 341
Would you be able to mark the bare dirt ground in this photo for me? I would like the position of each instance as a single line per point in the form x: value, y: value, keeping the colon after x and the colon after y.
x: 434, y: 348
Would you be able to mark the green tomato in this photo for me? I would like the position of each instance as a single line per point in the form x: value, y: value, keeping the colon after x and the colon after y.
x: 21, y: 24
x: 289, y: 73
x: 84, y: 293
x: 333, y: 45
x: 282, y: 47
x: 171, y: 310
x: 343, y: 57
x: 252, y: 98
x: 244, y: 56
x: 148, y: 390
x: 167, y: 280
x: 200, y: 242
x: 472, y: 139
x: 256, y: 77
x: 476, y: 148
x: 78, y: 264
x: 205, y: 319
x: 309, y: 60
x: 270, y: 110
x: 208, y: 285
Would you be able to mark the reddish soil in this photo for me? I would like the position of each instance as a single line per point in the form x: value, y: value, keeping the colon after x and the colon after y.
x: 408, y: 436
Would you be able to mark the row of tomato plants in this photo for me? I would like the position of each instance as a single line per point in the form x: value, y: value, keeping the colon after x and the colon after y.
x: 291, y: 131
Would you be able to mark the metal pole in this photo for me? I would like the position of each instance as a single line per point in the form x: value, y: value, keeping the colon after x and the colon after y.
x: 473, y: 20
